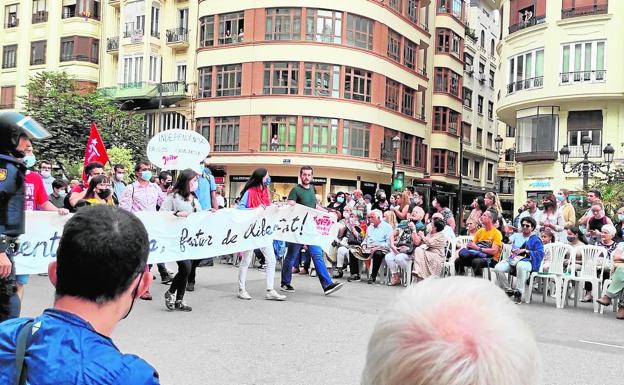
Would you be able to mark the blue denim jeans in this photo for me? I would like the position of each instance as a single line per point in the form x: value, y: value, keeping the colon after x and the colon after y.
x: 319, y: 263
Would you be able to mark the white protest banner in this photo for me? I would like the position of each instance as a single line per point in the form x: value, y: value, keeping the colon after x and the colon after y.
x: 177, y: 149
x: 201, y: 235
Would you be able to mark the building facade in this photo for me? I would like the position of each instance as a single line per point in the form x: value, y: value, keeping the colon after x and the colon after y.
x: 559, y: 83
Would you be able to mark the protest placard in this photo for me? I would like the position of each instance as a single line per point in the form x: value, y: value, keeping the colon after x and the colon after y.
x: 177, y: 150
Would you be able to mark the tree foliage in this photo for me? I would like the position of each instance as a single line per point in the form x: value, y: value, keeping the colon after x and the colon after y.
x: 55, y: 101
x: 123, y: 156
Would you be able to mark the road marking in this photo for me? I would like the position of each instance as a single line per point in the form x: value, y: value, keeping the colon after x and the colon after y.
x: 601, y: 344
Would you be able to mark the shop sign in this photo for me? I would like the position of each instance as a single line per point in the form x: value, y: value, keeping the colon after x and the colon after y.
x: 368, y: 185
x: 540, y: 184
x: 319, y: 180
x: 239, y: 178
x: 219, y: 180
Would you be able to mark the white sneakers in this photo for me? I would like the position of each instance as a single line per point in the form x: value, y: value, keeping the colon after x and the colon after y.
x: 271, y: 295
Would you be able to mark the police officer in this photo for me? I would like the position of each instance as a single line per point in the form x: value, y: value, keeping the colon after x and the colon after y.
x: 16, y: 131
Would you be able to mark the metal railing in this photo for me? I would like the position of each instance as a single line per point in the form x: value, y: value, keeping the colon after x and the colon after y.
x: 112, y: 44
x: 582, y: 76
x: 133, y: 32
x: 525, y: 84
x: 172, y: 87
x: 177, y: 35
x: 595, y: 151
x: 84, y: 58
x: 525, y: 24
x: 598, y: 9
x: 9, y: 64
x: 37, y: 61
x: 40, y: 17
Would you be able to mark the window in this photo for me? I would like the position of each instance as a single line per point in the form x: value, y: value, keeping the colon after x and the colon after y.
x: 492, y: 48
x: 181, y: 72
x: 410, y: 54
x: 393, y: 92
x: 231, y: 28
x: 451, y: 163
x: 229, y: 79
x: 322, y: 80
x: 583, y: 62
x: 154, y: 31
x: 203, y: 127
x: 482, y: 40
x: 82, y: 8
x: 526, y: 71
x: 525, y: 17
x: 69, y: 9
x: 576, y: 8
x: 454, y: 7
x: 9, y: 56
x: 510, y: 132
x: 447, y: 81
x: 420, y: 154
x: 154, y: 69
x: 409, y: 100
x: 412, y: 10
x: 476, y: 171
x: 490, y: 110
x: 357, y: 84
x: 492, y: 74
x: 279, y: 133
x: 479, y: 137
x: 80, y: 48
x: 183, y: 19
x: 396, y: 5
x: 39, y: 12
x: 490, y: 172
x: 490, y: 141
x: 464, y: 167
x: 405, y: 149
x: 585, y: 123
x: 132, y: 70
x: 355, y: 138
x: 480, y: 105
x: 38, y: 52
x: 206, y: 31
x: 204, y: 82
x: 449, y: 42
x: 324, y: 26
x: 536, y: 130
x: 359, y: 31
x: 172, y: 120
x: 10, y: 16
x: 387, y: 153
x: 468, y: 62
x: 135, y: 29
x: 226, y: 133
x: 394, y: 45
x: 467, y: 94
x: 443, y: 162
x: 320, y: 135
x: 7, y: 97
x: 281, y: 78
x: 467, y: 131
x: 283, y: 24
x: 446, y: 120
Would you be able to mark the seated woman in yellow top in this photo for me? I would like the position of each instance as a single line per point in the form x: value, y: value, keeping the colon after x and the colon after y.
x: 98, y: 193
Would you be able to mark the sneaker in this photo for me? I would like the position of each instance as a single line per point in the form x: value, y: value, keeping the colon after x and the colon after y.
x: 166, y: 278
x: 147, y: 296
x: 287, y: 288
x: 517, y: 297
x: 371, y: 281
x: 190, y: 286
x: 242, y: 294
x: 169, y: 300
x: 354, y: 278
x: 333, y: 287
x: 180, y: 305
x: 337, y: 274
x: 588, y: 298
x: 272, y: 295
x: 313, y: 273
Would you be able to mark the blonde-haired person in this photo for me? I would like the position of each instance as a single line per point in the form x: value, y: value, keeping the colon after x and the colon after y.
x: 401, y: 208
x: 391, y: 218
x: 567, y: 210
x: 422, y: 338
x: 491, y: 201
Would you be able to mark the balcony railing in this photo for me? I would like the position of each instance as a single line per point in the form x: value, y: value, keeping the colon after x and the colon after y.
x: 37, y: 61
x: 276, y: 147
x: 40, y: 17
x: 84, y: 58
x: 172, y: 87
x: 525, y: 24
x: 112, y: 44
x: 177, y: 35
x: 9, y: 64
x: 525, y: 84
x: 133, y: 33
x: 12, y: 23
x: 595, y: 151
x: 582, y: 76
x: 598, y: 9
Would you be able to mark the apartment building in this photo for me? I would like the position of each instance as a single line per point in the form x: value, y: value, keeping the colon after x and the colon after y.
x: 39, y: 35
x: 559, y: 83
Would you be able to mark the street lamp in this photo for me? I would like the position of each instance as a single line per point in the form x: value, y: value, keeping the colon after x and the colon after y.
x: 498, y: 142
x: 587, y: 167
x: 396, y: 142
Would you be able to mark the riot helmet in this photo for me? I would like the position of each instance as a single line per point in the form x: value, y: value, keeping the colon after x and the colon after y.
x: 13, y: 126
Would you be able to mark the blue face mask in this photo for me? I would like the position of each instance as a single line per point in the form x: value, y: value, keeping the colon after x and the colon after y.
x: 146, y: 175
x: 207, y: 171
x: 340, y: 199
x: 267, y: 181
x: 29, y: 161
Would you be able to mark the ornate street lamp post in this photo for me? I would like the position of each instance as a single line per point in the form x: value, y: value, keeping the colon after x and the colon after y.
x: 586, y: 168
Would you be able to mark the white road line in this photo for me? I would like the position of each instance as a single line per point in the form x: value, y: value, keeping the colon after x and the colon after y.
x: 601, y: 344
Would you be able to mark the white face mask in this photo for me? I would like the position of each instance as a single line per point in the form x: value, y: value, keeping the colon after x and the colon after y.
x: 46, y: 174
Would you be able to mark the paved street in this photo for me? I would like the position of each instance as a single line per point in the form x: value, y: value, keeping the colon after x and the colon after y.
x: 312, y: 339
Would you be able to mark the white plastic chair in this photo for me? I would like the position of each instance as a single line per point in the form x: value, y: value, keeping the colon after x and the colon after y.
x: 558, y: 251
x: 591, y: 271
x: 460, y: 242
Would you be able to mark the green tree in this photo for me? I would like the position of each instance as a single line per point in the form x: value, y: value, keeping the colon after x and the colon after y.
x: 123, y: 156
x: 54, y: 101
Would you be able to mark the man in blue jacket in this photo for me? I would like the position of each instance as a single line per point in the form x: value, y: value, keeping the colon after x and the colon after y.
x: 99, y: 272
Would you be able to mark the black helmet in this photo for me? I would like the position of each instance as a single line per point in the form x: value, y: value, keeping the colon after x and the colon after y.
x: 14, y: 125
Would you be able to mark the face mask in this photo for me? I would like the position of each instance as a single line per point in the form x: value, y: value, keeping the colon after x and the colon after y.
x: 62, y: 194
x: 146, y: 175
x: 267, y: 181
x: 621, y: 217
x: 168, y: 184
x: 104, y: 193
x: 29, y: 161
x: 340, y: 199
x: 193, y: 185
x: 46, y: 174
x: 134, y: 294
x: 572, y: 239
x: 207, y: 171
x: 119, y: 176
x: 560, y: 198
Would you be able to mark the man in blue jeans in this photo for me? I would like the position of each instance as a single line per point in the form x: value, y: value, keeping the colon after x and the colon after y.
x: 305, y: 194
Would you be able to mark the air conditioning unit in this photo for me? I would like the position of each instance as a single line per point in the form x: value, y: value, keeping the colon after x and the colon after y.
x: 469, y: 70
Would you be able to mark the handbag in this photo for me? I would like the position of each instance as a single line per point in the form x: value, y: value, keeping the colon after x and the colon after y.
x: 513, y: 260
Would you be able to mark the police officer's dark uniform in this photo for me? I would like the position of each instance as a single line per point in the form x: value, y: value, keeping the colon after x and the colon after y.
x: 13, y: 126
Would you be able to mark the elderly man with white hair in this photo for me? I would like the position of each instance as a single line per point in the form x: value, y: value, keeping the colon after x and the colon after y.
x: 375, y: 246
x: 467, y: 333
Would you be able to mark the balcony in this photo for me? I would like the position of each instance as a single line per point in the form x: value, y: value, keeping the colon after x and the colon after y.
x: 146, y: 95
x: 582, y: 77
x: 39, y: 17
x: 112, y: 44
x: 595, y: 151
x: 85, y: 58
x: 178, y: 37
x: 598, y: 9
x: 526, y: 24
x: 135, y: 35
x: 525, y: 84
x: 70, y: 12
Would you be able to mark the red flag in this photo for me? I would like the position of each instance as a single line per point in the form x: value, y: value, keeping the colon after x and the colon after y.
x: 95, y: 152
